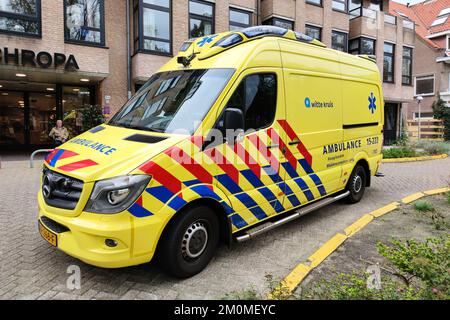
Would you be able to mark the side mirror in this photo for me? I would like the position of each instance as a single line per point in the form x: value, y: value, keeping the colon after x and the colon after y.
x: 234, y: 119
x: 234, y: 124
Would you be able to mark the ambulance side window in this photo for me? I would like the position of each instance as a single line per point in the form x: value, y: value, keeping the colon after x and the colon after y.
x: 256, y: 96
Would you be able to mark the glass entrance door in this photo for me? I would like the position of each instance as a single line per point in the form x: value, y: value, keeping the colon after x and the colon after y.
x: 42, y: 117
x: 12, y: 118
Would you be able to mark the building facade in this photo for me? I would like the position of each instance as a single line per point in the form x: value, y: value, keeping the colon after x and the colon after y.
x: 58, y: 57
x: 431, y: 77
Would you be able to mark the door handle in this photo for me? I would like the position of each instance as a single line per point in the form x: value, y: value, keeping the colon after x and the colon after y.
x: 292, y: 143
x: 273, y: 146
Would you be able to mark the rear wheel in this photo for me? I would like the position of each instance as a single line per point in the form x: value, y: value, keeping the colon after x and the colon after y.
x: 357, y: 184
x: 190, y: 242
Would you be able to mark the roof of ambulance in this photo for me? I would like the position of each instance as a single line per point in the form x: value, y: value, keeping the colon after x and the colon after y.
x: 233, y: 49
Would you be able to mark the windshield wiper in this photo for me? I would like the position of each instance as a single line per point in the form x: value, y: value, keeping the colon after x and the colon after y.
x: 129, y: 126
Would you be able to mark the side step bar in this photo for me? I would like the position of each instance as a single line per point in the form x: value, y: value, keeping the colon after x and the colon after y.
x: 251, y: 233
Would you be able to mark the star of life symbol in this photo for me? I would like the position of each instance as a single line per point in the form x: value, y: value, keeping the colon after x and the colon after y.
x: 205, y: 40
x: 372, y: 105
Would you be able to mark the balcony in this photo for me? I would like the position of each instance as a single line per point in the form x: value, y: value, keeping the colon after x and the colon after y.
x: 363, y: 12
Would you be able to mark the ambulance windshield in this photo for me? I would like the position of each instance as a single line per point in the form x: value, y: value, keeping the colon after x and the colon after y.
x: 174, y: 101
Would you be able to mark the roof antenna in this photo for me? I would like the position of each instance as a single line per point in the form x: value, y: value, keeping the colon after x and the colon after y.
x: 186, y: 61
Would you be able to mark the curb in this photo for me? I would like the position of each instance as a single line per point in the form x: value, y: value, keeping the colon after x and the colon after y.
x: 424, y: 158
x: 299, y: 273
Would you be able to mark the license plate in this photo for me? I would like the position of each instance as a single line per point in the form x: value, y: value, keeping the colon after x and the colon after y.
x: 51, y: 237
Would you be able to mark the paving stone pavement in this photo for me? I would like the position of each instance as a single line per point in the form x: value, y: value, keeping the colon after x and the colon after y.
x: 31, y: 269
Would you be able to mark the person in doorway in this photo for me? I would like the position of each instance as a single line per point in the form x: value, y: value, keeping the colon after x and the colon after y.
x: 59, y: 133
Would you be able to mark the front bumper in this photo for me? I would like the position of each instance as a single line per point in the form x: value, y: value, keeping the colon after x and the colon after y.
x: 83, y: 237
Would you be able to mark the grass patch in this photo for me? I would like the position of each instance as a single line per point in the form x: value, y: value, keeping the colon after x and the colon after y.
x: 423, y: 206
x: 399, y: 152
x: 407, y: 149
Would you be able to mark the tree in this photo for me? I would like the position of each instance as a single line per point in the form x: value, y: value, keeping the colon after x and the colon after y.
x: 442, y: 112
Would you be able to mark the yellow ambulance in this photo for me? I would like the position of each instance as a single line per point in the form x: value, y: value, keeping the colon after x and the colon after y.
x: 238, y: 134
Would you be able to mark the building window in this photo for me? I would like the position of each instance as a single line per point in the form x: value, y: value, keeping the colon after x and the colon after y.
x: 339, y: 41
x: 407, y: 66
x: 21, y: 17
x: 153, y: 26
x: 388, y: 65
x: 340, y: 5
x: 240, y: 19
x: 362, y: 46
x: 376, y: 5
x: 314, y: 32
x: 424, y: 86
x: 278, y: 22
x: 85, y: 21
x: 201, y: 18
x: 316, y: 2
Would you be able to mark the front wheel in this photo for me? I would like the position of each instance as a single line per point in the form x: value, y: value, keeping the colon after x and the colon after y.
x: 190, y: 242
x: 357, y: 184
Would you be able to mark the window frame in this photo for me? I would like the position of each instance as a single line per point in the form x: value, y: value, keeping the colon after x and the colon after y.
x: 138, y: 40
x: 314, y: 27
x: 199, y: 17
x: 392, y: 56
x: 232, y: 92
x: 411, y: 57
x: 19, y: 16
x: 236, y: 24
x: 311, y: 2
x: 102, y: 29
x: 345, y: 2
x: 345, y: 41
x: 360, y: 40
x: 271, y: 20
x: 425, y: 77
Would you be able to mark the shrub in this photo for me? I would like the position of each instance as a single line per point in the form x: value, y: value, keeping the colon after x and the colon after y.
x: 428, y: 261
x: 447, y: 195
x: 433, y: 147
x: 441, y: 111
x: 423, y: 206
x: 399, y: 152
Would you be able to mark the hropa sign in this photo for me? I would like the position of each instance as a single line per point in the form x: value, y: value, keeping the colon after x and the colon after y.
x: 42, y: 59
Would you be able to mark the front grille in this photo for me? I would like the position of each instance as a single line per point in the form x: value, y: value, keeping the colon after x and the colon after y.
x: 61, y: 191
x: 53, y: 225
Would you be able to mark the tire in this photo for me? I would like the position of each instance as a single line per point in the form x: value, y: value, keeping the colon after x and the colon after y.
x: 190, y: 242
x: 357, y: 184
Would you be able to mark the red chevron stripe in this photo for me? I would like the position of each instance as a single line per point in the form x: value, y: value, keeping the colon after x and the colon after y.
x: 293, y: 136
x: 78, y: 165
x: 223, y: 164
x: 162, y: 176
x: 288, y: 154
x: 68, y: 154
x: 265, y: 152
x: 248, y: 159
x: 51, y: 155
x: 190, y: 164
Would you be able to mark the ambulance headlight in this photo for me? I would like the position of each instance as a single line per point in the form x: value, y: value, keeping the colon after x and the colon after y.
x: 117, y: 194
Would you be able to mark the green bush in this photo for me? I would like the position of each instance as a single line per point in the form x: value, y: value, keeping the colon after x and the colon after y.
x: 448, y: 197
x: 354, y: 287
x: 433, y: 147
x: 427, y: 261
x: 399, y: 152
x: 423, y: 206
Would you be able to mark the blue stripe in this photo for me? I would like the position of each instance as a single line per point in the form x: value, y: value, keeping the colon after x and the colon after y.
x: 177, y: 203
x: 161, y: 193
x: 56, y: 158
x: 258, y: 213
x: 238, y: 221
x: 228, y: 183
x: 319, y: 184
x: 290, y: 170
x: 204, y: 191
x: 277, y: 206
x: 308, y: 194
x: 294, y: 200
x: 191, y: 183
x: 252, y: 178
x: 267, y: 194
x: 228, y: 209
x: 272, y: 173
x: 305, y: 165
x: 246, y: 200
x: 139, y: 211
